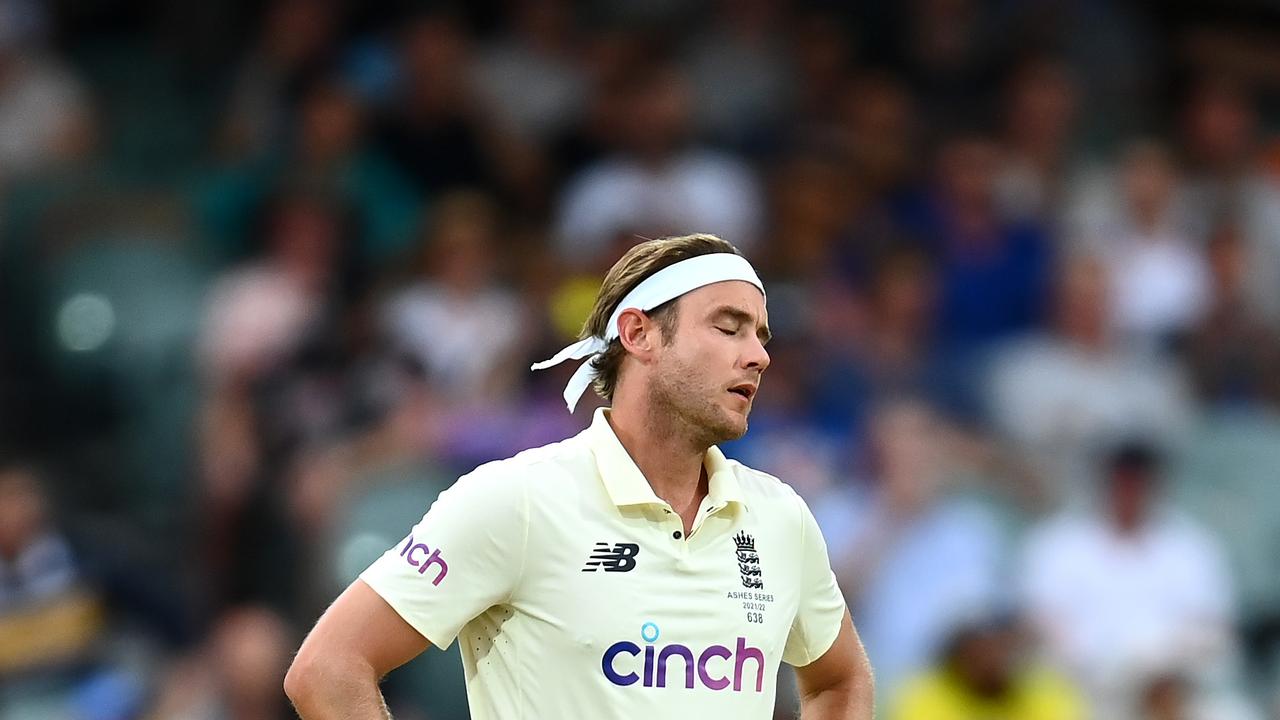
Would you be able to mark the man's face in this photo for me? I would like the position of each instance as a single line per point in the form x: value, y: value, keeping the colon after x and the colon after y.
x: 708, y: 373
x: 1132, y: 495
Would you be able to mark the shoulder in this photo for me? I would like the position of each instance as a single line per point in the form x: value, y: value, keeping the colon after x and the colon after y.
x: 759, y: 484
x: 1179, y: 529
x: 767, y: 494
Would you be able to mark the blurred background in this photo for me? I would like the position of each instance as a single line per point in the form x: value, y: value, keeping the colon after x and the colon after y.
x: 271, y: 276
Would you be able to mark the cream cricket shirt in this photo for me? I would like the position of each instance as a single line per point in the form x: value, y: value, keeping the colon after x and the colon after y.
x: 574, y: 594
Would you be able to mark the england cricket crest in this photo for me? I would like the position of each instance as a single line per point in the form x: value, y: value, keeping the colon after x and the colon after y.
x: 748, y: 562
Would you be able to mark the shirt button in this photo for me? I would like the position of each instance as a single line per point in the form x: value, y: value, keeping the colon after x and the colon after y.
x: 676, y: 534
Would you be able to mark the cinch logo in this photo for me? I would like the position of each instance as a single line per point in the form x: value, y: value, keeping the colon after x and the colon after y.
x: 656, y: 659
x: 410, y: 552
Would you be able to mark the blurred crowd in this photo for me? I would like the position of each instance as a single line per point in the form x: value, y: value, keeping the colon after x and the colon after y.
x: 272, y: 274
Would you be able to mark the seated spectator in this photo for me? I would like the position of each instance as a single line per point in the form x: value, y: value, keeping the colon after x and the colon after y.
x: 1039, y: 113
x: 1233, y: 353
x: 259, y: 312
x: 532, y: 76
x: 327, y: 148
x: 1130, y: 584
x: 892, y: 351
x: 44, y: 109
x: 1160, y: 284
x: 49, y: 616
x: 236, y: 675
x: 1169, y: 694
x: 1221, y: 133
x: 434, y: 129
x: 55, y: 655
x: 657, y: 182
x: 993, y: 272
x: 293, y: 38
x: 911, y: 560
x: 1165, y: 698
x: 1057, y: 396
x: 741, y: 72
x: 456, y: 319
x: 985, y: 673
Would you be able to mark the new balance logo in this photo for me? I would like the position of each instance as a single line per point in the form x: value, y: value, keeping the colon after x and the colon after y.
x: 620, y: 557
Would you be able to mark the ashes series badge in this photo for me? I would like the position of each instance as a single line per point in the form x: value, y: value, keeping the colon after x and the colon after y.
x: 748, y: 562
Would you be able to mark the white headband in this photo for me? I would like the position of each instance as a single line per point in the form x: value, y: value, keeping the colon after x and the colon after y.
x: 667, y: 284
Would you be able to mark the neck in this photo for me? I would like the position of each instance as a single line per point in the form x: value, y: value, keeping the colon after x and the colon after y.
x: 669, y: 457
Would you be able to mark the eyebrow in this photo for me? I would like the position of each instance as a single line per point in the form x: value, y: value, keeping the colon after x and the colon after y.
x: 743, y: 316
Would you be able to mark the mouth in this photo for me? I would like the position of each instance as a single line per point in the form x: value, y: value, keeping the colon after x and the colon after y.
x: 745, y: 390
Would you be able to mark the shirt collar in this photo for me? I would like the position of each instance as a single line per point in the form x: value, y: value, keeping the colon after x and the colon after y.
x: 625, y: 483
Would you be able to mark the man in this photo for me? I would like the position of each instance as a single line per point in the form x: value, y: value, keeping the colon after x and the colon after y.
x: 630, y: 571
x: 984, y: 672
x: 1133, y: 583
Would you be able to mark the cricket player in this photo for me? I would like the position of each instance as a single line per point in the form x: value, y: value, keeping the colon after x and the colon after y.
x: 631, y: 571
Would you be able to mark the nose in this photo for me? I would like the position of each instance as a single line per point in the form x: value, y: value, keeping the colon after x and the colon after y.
x: 757, y: 358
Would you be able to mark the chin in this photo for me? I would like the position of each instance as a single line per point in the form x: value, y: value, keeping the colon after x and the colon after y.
x: 734, y: 427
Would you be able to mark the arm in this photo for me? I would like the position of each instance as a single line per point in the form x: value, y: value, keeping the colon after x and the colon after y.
x: 357, y: 641
x: 838, y: 685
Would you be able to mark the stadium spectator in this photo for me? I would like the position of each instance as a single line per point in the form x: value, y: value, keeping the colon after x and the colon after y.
x: 532, y: 77
x: 294, y: 39
x: 912, y: 559
x: 1159, y: 277
x: 236, y: 675
x: 1233, y: 354
x: 1220, y: 137
x: 1056, y: 396
x: 895, y: 351
x: 456, y: 319
x: 658, y: 180
x: 740, y: 73
x: 993, y: 272
x: 1039, y: 120
x: 986, y: 672
x: 880, y: 126
x: 56, y: 655
x: 435, y: 129
x: 1128, y: 585
x: 45, y: 113
x: 326, y: 148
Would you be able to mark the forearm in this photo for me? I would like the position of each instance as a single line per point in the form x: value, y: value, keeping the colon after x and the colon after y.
x: 336, y: 693
x: 838, y: 704
x: 853, y: 699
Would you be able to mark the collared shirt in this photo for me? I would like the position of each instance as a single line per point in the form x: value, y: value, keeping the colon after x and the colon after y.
x: 573, y: 591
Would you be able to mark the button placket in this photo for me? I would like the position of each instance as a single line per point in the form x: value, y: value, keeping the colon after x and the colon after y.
x: 677, y: 532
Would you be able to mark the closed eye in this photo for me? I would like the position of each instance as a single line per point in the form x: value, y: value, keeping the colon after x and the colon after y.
x: 727, y: 332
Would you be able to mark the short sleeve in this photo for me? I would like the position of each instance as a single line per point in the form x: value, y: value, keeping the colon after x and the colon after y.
x: 465, y: 556
x: 821, y: 609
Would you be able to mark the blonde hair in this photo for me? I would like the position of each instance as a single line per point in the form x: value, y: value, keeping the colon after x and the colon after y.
x: 640, y: 262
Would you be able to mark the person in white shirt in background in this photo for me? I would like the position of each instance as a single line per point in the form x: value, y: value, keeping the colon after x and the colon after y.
x: 657, y: 181
x: 455, y: 318
x: 1133, y: 584
x: 1159, y: 275
x: 1056, y: 397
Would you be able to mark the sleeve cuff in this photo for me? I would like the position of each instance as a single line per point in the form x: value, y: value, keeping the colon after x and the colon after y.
x: 436, y: 636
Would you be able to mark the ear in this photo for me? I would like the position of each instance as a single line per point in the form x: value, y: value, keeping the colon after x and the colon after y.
x: 638, y: 333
